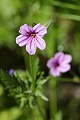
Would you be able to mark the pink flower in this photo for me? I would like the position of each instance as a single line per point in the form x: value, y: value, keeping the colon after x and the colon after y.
x: 31, y: 37
x: 59, y: 63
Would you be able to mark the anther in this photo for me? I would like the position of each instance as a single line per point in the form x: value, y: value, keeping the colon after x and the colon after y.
x: 33, y: 35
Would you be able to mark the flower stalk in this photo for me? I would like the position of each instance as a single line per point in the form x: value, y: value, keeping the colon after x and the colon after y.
x: 40, y: 111
x: 31, y: 59
x: 53, y: 97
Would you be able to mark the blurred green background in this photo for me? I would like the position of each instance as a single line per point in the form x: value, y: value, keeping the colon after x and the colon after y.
x: 63, y: 35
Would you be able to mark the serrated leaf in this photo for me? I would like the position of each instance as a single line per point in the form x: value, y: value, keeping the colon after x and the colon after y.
x: 23, y: 101
x: 39, y: 77
x: 8, y: 80
x: 23, y: 82
x: 15, y: 91
x: 19, y: 95
x: 38, y: 93
x: 31, y: 102
x: 42, y: 82
x: 44, y: 98
x: 29, y: 76
x: 14, y: 85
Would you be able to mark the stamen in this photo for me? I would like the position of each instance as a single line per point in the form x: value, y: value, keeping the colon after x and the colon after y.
x: 33, y: 35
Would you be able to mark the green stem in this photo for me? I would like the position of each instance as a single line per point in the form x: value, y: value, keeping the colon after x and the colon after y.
x: 40, y: 111
x: 31, y: 59
x: 29, y: 62
x: 53, y: 98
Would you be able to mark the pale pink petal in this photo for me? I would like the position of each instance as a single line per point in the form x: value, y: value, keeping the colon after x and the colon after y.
x: 25, y: 30
x: 50, y: 62
x: 37, y: 26
x: 40, y: 29
x: 54, y: 72
x: 59, y: 56
x: 59, y: 63
x: 31, y: 29
x: 67, y: 58
x: 31, y: 37
x: 64, y: 68
x: 20, y: 38
x: 42, y: 32
x: 40, y: 43
x: 31, y: 47
x: 23, y: 40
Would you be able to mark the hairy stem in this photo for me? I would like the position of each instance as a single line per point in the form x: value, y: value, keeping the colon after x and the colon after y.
x: 31, y: 59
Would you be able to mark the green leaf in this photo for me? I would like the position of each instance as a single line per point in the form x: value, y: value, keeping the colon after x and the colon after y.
x: 39, y: 77
x: 44, y: 97
x: 43, y: 81
x: 19, y: 95
x: 8, y: 80
x: 31, y: 99
x: 22, y: 81
x: 29, y: 76
x: 12, y: 83
x: 23, y: 102
x: 38, y: 93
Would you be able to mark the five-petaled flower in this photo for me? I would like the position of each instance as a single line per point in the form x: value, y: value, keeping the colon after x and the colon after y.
x: 31, y: 37
x: 59, y: 63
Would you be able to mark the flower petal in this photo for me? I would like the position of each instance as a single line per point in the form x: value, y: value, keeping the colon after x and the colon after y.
x: 23, y: 40
x: 20, y: 38
x: 40, y: 30
x: 37, y: 27
x: 59, y: 56
x: 31, y: 47
x: 67, y: 58
x: 25, y: 30
x: 11, y: 71
x: 54, y: 72
x: 64, y: 68
x: 50, y: 62
x: 40, y: 43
